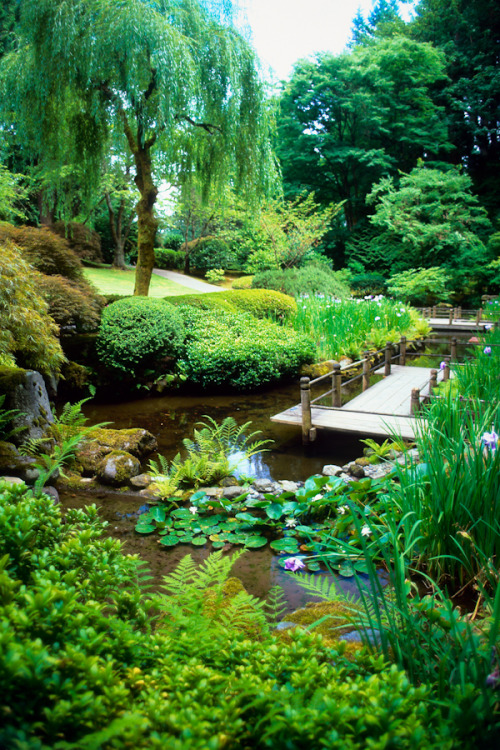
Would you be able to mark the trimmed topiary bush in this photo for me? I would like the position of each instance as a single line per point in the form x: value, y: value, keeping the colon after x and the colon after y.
x: 262, y: 303
x: 137, y: 332
x: 71, y: 305
x: 212, y: 253
x: 239, y: 351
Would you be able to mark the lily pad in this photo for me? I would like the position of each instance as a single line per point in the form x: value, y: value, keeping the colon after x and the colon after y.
x: 313, y: 566
x: 274, y: 511
x: 218, y: 545
x: 169, y: 541
x: 285, y: 545
x: 246, y: 517
x: 157, y: 514
x: 145, y: 528
x: 254, y: 542
x: 304, y: 529
x: 345, y: 569
x: 199, y: 541
x: 181, y: 513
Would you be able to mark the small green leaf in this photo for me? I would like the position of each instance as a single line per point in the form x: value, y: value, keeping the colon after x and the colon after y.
x: 145, y: 528
x: 169, y: 541
x: 254, y: 542
x: 199, y: 541
x: 274, y: 511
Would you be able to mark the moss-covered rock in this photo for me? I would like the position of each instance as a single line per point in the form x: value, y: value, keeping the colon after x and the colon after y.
x: 318, y: 369
x: 13, y: 464
x: 339, y: 622
x: 117, y: 468
x: 25, y: 392
x: 101, y: 441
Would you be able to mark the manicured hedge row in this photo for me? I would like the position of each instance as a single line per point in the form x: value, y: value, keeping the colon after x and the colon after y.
x: 262, y: 303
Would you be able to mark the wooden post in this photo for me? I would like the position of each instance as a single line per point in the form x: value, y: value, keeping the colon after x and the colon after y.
x: 450, y: 318
x: 453, y: 349
x: 336, y: 386
x: 366, y: 371
x: 415, y: 400
x: 455, y: 313
x: 446, y: 371
x: 459, y: 310
x: 402, y: 351
x: 433, y: 381
x: 479, y: 315
x: 305, y: 402
x: 388, y: 355
x: 434, y: 312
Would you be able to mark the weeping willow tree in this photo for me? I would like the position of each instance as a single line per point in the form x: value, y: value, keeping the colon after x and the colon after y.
x: 171, y: 80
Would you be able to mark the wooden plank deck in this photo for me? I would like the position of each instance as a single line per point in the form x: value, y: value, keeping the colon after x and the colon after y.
x: 381, y: 410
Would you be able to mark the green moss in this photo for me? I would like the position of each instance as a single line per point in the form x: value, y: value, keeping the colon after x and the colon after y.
x: 10, y: 377
x: 340, y: 621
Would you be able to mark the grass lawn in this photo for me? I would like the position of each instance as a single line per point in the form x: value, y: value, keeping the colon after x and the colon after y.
x: 114, y: 281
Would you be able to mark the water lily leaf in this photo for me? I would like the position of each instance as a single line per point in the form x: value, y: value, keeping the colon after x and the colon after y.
x: 169, y: 541
x: 290, y: 507
x: 199, y: 541
x: 246, y: 517
x: 181, y: 513
x: 285, y: 545
x: 274, y: 511
x: 215, y: 538
x: 218, y: 545
x: 360, y: 566
x: 304, y: 529
x: 255, y: 541
x: 313, y: 566
x: 145, y: 528
x: 197, y: 496
x: 157, y: 514
x: 345, y: 569
x: 211, y: 520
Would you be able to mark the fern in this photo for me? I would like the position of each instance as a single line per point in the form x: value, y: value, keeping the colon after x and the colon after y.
x: 6, y: 418
x: 275, y: 605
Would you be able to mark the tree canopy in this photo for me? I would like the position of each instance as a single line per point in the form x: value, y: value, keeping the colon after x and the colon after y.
x: 172, y: 79
x: 348, y: 120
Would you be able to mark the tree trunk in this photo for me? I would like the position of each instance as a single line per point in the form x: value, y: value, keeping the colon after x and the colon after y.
x: 147, y: 223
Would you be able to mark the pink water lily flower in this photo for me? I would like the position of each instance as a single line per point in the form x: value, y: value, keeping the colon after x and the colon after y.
x: 294, y: 563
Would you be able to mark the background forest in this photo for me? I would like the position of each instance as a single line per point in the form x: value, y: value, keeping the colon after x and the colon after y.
x: 382, y: 160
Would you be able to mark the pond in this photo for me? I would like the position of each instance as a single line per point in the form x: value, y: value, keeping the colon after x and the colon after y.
x: 172, y: 418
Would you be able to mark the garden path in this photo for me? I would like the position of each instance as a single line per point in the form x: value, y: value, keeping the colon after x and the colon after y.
x: 196, y: 284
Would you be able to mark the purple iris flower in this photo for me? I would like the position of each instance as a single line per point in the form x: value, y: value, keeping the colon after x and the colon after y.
x: 294, y: 563
x: 490, y: 440
x: 442, y: 366
x: 487, y: 350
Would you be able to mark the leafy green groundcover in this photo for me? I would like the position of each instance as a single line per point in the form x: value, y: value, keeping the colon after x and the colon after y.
x: 87, y: 661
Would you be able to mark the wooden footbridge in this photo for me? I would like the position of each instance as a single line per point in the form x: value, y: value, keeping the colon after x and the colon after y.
x: 384, y: 408
x: 455, y: 319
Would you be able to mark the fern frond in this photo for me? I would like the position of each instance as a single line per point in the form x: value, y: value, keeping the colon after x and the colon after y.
x: 183, y: 575
x: 275, y: 605
x: 33, y: 446
x: 214, y: 571
x: 319, y: 586
x: 244, y: 612
x: 72, y: 415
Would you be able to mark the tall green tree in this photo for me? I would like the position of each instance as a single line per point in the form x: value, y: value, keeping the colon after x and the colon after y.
x: 174, y: 76
x: 431, y: 219
x: 348, y: 120
x: 468, y: 32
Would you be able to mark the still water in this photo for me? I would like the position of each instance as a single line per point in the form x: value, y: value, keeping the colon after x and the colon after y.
x: 172, y: 418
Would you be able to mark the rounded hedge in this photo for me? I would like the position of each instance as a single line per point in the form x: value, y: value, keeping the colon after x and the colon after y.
x: 138, y: 331
x: 261, y: 303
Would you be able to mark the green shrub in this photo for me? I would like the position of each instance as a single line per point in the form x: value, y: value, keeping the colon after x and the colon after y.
x: 171, y: 240
x: 44, y: 250
x: 244, y: 282
x: 210, y: 254
x: 215, y: 275
x: 87, y: 662
x: 312, y: 279
x: 240, y: 351
x: 208, y: 301
x: 368, y: 283
x: 85, y: 242
x: 262, y: 303
x: 28, y: 335
x: 70, y: 304
x: 169, y: 260
x: 137, y: 331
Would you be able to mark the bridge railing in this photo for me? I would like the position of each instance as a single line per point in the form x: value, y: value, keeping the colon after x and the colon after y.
x: 371, y: 362
x: 453, y: 314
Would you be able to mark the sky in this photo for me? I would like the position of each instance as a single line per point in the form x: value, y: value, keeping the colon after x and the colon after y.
x: 283, y: 31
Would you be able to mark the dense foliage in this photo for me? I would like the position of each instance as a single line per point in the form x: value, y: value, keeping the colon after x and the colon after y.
x: 138, y: 331
x: 263, y: 303
x: 28, y: 335
x: 239, y: 351
x: 87, y: 661
x: 73, y: 306
x: 310, y: 279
